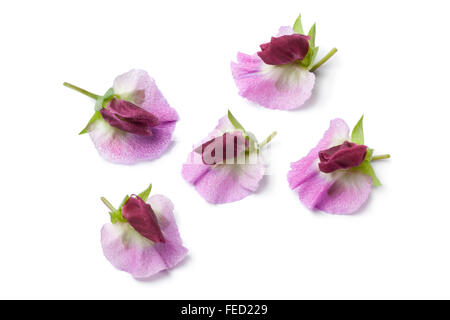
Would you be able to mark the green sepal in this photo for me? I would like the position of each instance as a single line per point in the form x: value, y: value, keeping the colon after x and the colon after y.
x: 124, y: 201
x: 99, y: 103
x: 298, y: 27
x: 312, y: 34
x: 116, y: 216
x: 108, y: 94
x: 103, y: 100
x: 308, y: 61
x: 144, y: 194
x: 366, y: 168
x: 97, y: 116
x: 234, y: 122
x: 358, y: 132
x: 247, y: 136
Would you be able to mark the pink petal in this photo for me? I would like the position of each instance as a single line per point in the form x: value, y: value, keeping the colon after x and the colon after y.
x: 128, y: 251
x: 347, y: 194
x: 283, y: 87
x: 223, y: 183
x: 121, y: 147
x: 148, y: 95
x: 285, y: 31
x: 341, y: 192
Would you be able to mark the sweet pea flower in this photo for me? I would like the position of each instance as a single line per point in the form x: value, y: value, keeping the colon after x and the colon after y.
x: 143, y: 237
x: 336, y: 176
x: 132, y: 120
x: 227, y: 165
x: 281, y: 75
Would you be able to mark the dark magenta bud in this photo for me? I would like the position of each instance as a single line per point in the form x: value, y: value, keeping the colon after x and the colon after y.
x: 223, y: 148
x: 344, y: 156
x: 142, y: 218
x: 284, y: 49
x: 126, y: 116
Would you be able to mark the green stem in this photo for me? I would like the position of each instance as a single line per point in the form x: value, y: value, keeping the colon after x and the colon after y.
x: 262, y: 144
x: 381, y: 157
x: 108, y: 204
x: 323, y: 60
x: 85, y: 92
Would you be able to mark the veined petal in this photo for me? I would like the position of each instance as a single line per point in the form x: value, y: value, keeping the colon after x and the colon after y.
x: 223, y: 183
x: 282, y: 87
x: 341, y: 192
x: 128, y: 251
x: 348, y: 192
x: 122, y: 147
x: 139, y: 88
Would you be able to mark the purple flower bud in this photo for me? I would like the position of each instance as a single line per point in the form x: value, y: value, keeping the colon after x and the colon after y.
x: 128, y: 117
x: 142, y: 218
x: 284, y: 49
x: 344, y: 156
x: 225, y: 147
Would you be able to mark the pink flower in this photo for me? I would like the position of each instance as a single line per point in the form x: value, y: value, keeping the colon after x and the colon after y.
x: 336, y: 176
x: 281, y: 75
x: 226, y: 166
x: 143, y: 237
x: 132, y: 121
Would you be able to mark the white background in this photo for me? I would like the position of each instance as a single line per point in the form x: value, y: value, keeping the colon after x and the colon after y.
x: 392, y: 65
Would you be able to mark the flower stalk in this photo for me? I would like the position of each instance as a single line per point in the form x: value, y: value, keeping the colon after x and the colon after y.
x: 108, y: 204
x: 268, y: 139
x: 323, y: 60
x: 78, y: 89
x: 381, y: 157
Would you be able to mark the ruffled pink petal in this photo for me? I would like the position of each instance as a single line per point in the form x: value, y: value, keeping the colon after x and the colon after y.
x: 122, y: 147
x: 283, y: 87
x: 128, y: 251
x: 342, y: 192
x: 223, y: 183
x: 141, y: 89
x: 347, y: 194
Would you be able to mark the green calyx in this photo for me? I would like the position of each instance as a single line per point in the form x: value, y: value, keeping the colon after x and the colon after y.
x: 308, y: 61
x: 116, y: 214
x: 146, y: 193
x: 366, y: 166
x: 100, y: 102
x: 358, y: 132
x: 235, y: 123
x: 253, y: 143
